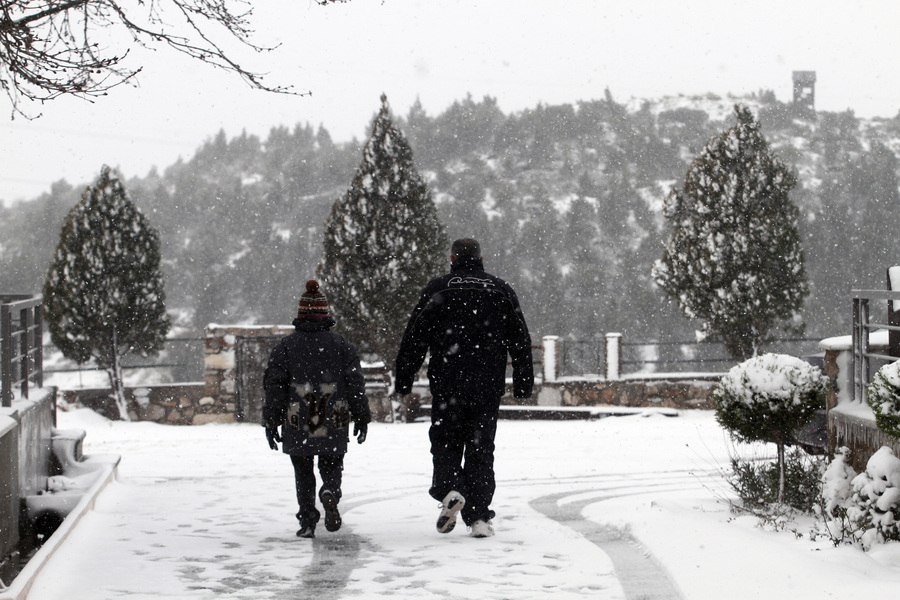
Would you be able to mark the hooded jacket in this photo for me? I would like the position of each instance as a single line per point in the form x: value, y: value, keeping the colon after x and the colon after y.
x: 469, y: 321
x: 314, y: 386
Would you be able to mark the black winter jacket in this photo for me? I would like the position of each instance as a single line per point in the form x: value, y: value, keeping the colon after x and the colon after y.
x: 314, y: 386
x: 469, y: 321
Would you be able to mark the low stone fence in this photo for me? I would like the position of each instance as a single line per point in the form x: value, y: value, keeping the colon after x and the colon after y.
x: 666, y: 391
x: 217, y: 399
x: 173, y: 404
x: 188, y: 404
x: 232, y: 388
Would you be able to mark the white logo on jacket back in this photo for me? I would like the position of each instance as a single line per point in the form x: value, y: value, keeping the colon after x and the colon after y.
x: 470, y: 280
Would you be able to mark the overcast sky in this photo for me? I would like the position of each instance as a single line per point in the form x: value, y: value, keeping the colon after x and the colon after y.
x: 522, y: 52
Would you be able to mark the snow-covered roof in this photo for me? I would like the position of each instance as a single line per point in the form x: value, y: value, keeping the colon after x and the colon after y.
x: 877, y: 338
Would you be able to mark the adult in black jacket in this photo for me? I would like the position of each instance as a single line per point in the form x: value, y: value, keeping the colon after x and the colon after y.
x: 469, y: 321
x: 314, y: 386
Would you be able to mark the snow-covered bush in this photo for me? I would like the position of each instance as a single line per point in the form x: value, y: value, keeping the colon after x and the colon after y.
x: 884, y: 399
x: 767, y: 398
x: 874, y: 509
x: 837, y: 497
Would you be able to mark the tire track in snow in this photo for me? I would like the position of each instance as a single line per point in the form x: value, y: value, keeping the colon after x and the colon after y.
x: 336, y: 556
x: 640, y: 575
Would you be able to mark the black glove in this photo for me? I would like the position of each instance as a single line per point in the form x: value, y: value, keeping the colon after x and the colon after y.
x: 273, y: 436
x: 360, y: 430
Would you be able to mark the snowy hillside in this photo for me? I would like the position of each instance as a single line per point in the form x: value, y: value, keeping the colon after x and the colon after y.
x: 566, y: 199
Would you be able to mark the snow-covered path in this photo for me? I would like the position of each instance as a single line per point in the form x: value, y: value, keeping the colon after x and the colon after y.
x: 639, y: 575
x: 626, y: 507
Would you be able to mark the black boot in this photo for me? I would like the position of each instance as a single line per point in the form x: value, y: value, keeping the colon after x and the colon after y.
x: 332, y: 516
x: 307, y: 531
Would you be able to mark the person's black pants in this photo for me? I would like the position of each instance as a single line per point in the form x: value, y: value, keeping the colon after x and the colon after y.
x: 331, y: 467
x: 462, y: 449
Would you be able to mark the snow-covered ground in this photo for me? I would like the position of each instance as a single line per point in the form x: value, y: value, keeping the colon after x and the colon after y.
x: 584, y: 509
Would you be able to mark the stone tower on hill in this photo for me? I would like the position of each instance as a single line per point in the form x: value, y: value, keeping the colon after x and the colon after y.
x: 805, y: 89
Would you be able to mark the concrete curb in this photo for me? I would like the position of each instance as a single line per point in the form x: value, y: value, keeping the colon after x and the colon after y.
x: 107, y: 467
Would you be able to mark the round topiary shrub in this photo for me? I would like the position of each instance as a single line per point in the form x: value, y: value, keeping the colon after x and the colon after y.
x: 883, y: 397
x: 767, y: 398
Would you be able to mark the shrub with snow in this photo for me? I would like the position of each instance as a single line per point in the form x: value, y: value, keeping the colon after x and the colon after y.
x: 884, y: 399
x: 767, y: 398
x: 836, y: 480
x: 875, y: 502
x: 837, y: 495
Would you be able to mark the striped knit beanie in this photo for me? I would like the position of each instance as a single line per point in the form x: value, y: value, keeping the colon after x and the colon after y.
x: 313, y: 303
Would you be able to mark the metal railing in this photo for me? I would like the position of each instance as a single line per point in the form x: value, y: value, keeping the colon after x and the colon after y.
x: 862, y: 354
x: 183, y: 355
x: 578, y: 357
x: 21, y: 350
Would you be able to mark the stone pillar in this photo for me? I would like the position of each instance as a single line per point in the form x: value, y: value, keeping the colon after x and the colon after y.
x: 613, y: 346
x: 832, y: 371
x: 549, y: 346
x: 219, y: 366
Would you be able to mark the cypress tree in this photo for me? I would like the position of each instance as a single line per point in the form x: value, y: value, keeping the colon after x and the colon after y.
x: 103, y: 292
x: 733, y: 258
x: 383, y: 243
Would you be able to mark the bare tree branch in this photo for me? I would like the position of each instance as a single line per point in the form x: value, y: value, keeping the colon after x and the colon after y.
x: 49, y: 48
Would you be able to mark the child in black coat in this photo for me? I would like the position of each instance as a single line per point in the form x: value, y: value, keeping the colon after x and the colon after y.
x: 314, y: 387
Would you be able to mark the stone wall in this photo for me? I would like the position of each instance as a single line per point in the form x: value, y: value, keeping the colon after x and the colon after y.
x: 172, y: 404
x: 693, y: 393
x: 220, y: 365
x: 634, y: 391
x: 689, y: 393
x: 215, y: 400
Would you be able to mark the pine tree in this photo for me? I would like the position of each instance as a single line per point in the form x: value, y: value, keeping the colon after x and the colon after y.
x: 103, y: 292
x: 383, y: 243
x: 733, y: 258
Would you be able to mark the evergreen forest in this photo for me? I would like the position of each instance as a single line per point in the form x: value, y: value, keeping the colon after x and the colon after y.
x: 566, y: 201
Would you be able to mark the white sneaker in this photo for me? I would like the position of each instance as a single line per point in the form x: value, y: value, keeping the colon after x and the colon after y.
x: 481, y: 529
x: 452, y: 504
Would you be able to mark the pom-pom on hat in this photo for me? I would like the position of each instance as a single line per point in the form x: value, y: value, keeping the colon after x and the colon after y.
x: 313, y: 303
